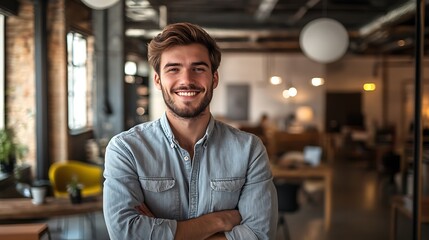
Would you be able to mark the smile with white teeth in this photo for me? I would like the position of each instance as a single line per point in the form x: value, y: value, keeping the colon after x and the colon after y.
x: 187, y: 94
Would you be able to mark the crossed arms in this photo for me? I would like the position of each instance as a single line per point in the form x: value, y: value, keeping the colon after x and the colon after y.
x: 210, y: 226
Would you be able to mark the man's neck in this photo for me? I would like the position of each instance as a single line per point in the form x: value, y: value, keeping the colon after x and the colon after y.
x: 188, y: 131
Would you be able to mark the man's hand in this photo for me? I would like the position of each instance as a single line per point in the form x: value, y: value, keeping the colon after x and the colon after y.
x: 209, y: 226
x: 229, y: 218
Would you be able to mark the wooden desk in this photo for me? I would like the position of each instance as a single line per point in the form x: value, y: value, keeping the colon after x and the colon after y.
x: 399, y: 206
x: 31, y: 231
x: 23, y: 208
x: 323, y: 172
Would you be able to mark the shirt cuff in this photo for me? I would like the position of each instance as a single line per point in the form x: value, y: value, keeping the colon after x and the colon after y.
x: 163, y: 229
x: 240, y: 232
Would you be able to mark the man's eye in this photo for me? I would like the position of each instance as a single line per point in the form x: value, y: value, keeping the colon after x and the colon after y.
x: 199, y: 69
x: 172, y: 70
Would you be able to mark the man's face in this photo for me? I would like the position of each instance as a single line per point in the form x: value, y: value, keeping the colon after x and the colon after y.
x: 186, y: 80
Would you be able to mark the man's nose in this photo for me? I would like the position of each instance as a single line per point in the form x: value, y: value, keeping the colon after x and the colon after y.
x: 187, y: 76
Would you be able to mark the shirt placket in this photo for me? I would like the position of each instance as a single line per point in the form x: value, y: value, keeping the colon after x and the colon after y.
x: 193, y: 184
x: 192, y: 172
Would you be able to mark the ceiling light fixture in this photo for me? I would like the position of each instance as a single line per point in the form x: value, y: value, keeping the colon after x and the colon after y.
x: 324, y: 40
x: 290, y: 91
x: 401, y: 43
x: 275, y: 80
x: 100, y: 4
x: 130, y: 68
x: 369, y: 87
x: 317, y: 81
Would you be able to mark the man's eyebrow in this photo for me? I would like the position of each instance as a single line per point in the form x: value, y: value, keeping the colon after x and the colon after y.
x: 200, y: 63
x: 172, y: 65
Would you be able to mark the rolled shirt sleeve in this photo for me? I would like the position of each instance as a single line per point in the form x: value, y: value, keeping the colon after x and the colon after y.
x: 258, y: 201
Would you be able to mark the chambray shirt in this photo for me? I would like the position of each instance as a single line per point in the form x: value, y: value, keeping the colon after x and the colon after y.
x: 229, y: 170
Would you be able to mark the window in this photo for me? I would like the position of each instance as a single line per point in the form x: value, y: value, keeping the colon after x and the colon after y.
x: 2, y: 76
x: 79, y: 97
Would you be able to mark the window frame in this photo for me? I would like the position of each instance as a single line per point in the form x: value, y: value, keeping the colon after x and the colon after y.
x: 73, y: 80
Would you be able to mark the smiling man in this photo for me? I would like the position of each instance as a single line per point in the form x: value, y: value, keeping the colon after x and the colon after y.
x: 187, y: 175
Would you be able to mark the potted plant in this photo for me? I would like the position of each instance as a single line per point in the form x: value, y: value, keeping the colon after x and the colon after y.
x: 74, y: 188
x: 10, y: 150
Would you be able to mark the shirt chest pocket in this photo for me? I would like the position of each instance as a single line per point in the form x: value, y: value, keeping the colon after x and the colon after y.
x: 225, y: 193
x: 161, y: 196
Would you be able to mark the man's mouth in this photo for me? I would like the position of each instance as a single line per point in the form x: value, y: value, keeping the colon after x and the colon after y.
x: 186, y: 94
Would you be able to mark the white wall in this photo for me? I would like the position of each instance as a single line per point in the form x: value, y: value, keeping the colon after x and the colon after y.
x: 252, y: 69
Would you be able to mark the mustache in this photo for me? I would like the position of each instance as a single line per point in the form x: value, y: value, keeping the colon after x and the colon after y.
x: 191, y: 87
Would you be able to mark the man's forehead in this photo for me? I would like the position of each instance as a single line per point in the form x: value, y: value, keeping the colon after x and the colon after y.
x: 185, y: 53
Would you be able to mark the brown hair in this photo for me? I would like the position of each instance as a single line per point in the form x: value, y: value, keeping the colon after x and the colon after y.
x: 182, y: 34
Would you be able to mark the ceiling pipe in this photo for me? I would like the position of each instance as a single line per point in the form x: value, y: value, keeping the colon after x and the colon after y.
x: 404, y: 11
x: 302, y: 11
x: 264, y: 10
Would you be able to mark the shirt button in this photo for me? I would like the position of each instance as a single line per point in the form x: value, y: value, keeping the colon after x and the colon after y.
x: 172, y: 145
x: 186, y: 158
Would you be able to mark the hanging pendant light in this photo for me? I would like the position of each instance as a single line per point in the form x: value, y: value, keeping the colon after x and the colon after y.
x: 290, y: 91
x: 274, y: 79
x: 317, y: 81
x: 324, y: 40
x: 100, y: 4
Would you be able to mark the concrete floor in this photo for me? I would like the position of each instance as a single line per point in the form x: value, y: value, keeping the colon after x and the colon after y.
x: 360, y: 207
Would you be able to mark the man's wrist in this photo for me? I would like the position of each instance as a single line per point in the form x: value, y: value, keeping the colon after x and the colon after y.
x: 217, y: 236
x: 225, y: 220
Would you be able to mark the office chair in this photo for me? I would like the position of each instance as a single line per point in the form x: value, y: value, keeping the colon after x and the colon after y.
x: 89, y: 175
x: 287, y: 194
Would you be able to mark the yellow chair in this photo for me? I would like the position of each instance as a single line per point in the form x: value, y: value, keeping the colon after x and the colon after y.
x: 89, y: 175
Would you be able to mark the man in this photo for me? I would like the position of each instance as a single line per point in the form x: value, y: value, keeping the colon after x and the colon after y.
x: 186, y: 175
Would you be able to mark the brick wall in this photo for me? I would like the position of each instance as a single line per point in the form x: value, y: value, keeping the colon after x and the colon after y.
x: 20, y: 78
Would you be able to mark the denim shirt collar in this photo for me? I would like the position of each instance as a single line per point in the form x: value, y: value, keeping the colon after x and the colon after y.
x: 169, y: 133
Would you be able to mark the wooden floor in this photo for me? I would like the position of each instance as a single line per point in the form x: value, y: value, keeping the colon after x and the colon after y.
x: 361, y: 210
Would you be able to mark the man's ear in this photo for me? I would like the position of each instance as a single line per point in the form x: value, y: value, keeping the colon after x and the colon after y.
x: 157, y: 81
x: 215, y: 79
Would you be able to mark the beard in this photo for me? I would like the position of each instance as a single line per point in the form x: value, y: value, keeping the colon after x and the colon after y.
x: 188, y: 111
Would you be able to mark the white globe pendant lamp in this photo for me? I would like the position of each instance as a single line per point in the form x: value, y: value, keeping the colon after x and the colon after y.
x: 99, y: 4
x: 324, y: 40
